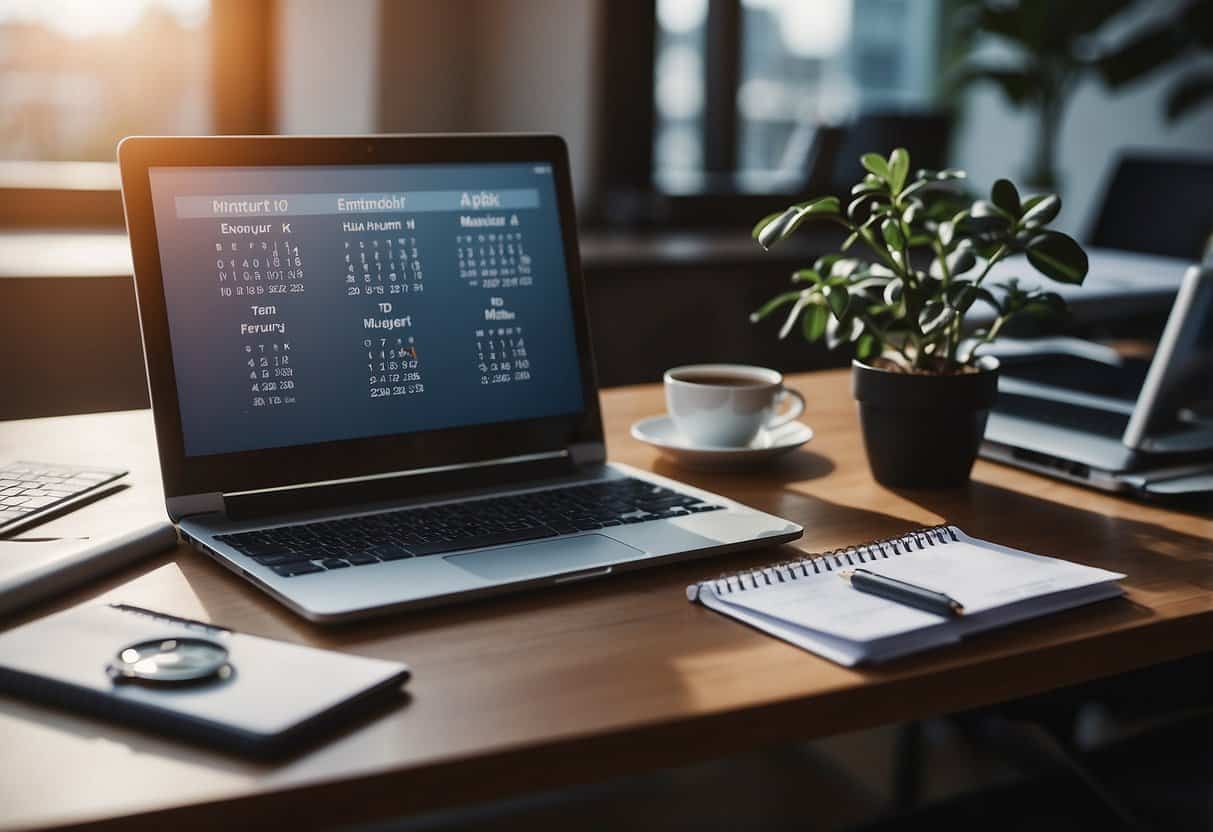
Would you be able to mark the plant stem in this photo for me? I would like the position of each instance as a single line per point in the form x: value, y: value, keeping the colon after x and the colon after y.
x: 994, y: 258
x: 880, y: 252
x: 884, y: 337
x: 990, y: 335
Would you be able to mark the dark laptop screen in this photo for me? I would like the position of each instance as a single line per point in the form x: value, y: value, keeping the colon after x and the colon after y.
x: 312, y: 304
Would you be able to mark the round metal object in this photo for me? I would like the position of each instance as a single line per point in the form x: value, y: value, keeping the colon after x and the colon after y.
x: 171, y: 661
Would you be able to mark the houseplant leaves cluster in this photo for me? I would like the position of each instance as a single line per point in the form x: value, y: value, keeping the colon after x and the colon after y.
x: 916, y: 262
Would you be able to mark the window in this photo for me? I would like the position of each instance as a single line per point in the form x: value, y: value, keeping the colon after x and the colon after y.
x: 679, y: 81
x: 78, y: 76
x: 741, y: 87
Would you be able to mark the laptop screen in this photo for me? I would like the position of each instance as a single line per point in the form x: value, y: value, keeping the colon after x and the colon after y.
x: 311, y: 304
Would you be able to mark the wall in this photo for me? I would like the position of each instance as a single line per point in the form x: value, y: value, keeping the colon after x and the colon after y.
x: 539, y: 59
x: 327, y: 66
x: 417, y: 66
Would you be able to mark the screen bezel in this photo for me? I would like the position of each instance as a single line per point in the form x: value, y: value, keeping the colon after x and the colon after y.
x: 350, y: 458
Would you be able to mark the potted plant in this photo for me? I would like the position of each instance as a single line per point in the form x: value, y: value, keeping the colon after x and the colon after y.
x: 924, y: 390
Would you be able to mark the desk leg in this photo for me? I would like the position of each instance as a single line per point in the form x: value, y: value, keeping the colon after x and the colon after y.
x: 907, y: 766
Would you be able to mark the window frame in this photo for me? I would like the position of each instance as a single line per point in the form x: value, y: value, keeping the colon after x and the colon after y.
x: 626, y: 194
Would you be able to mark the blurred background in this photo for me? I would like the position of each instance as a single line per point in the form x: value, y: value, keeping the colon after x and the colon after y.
x: 686, y: 120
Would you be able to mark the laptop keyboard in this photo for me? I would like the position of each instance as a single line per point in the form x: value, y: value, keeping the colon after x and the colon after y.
x: 30, y: 490
x: 452, y: 527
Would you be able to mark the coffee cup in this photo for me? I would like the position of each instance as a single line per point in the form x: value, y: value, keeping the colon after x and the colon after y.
x: 727, y: 405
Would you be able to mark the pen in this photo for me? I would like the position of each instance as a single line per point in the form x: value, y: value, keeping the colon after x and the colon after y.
x: 902, y: 592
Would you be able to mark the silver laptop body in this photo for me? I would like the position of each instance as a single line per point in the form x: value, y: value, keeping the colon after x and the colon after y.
x: 1149, y: 433
x: 339, y: 330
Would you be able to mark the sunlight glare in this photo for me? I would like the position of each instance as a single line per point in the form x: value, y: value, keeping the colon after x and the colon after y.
x: 89, y: 18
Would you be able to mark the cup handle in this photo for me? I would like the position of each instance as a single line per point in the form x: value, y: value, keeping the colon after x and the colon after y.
x: 794, y: 411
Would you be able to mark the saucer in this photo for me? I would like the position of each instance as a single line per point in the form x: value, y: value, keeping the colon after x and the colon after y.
x: 659, y: 431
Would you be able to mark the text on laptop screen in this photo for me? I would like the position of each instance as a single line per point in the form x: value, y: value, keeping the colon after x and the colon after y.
x: 312, y: 304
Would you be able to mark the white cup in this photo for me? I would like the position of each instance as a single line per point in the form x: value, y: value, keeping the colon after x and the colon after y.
x: 726, y: 405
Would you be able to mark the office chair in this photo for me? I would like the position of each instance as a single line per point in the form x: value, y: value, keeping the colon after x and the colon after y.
x: 926, y: 135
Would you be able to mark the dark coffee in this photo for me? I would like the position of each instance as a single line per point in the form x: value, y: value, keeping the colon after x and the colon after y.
x: 720, y: 380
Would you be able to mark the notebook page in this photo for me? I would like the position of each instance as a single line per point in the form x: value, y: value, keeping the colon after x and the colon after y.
x: 983, y: 575
x: 827, y: 604
x: 844, y: 652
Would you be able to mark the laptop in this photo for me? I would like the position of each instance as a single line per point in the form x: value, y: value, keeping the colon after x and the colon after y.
x: 1138, y: 424
x: 371, y: 375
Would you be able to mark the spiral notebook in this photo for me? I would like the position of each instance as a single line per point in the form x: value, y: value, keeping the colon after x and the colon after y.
x: 806, y: 602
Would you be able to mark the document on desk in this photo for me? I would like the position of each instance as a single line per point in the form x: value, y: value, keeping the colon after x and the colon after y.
x: 33, y: 567
x: 808, y: 603
x: 264, y: 697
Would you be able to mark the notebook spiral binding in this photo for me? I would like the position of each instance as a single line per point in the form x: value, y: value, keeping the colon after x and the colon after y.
x: 818, y: 562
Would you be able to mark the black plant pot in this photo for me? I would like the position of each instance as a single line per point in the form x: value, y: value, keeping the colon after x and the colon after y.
x: 923, y: 431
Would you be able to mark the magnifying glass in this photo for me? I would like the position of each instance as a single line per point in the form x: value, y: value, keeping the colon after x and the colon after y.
x: 170, y: 661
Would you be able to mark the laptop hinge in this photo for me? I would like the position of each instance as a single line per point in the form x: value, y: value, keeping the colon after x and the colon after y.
x: 587, y: 453
x: 184, y: 506
x: 390, y: 488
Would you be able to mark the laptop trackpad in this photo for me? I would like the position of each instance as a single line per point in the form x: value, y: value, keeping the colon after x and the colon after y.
x: 547, y: 557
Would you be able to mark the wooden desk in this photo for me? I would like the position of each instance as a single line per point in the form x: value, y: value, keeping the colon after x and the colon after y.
x: 592, y: 681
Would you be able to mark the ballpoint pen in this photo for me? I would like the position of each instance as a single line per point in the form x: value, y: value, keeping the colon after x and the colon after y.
x: 903, y: 593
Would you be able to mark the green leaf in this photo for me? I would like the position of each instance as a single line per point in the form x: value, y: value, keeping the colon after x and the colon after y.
x: 875, y: 163
x: 892, y: 291
x: 1043, y: 304
x: 986, y: 296
x: 771, y: 230
x: 839, y: 299
x: 1004, y: 195
x: 934, y: 316
x: 844, y: 331
x: 923, y: 186
x: 806, y: 276
x: 813, y: 322
x: 899, y: 166
x: 1041, y: 210
x: 773, y: 304
x: 985, y: 210
x: 963, y: 294
x: 826, y: 263
x: 858, y: 204
x: 850, y: 240
x: 765, y: 221
x: 871, y: 288
x: 985, y: 228
x: 1058, y: 256
x: 959, y: 261
x: 846, y: 267
x: 866, y: 346
x: 946, y: 173
x: 947, y: 231
x: 891, y: 231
